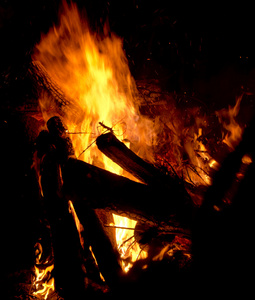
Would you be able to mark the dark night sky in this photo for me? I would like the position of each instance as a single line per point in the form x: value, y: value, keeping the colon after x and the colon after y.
x: 225, y: 33
x: 187, y: 48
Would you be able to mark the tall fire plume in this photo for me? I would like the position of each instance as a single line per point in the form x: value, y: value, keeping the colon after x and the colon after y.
x: 92, y: 71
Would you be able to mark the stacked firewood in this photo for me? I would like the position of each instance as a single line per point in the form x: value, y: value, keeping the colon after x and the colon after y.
x: 160, y: 203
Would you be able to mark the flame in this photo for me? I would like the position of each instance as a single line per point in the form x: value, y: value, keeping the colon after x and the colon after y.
x: 129, y: 249
x: 199, y: 158
x: 185, y: 148
x: 92, y: 72
x: 78, y: 224
x: 80, y: 230
x: 227, y: 117
x: 43, y: 289
x: 246, y: 159
x: 43, y: 282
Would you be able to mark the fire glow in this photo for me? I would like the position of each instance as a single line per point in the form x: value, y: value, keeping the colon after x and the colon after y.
x: 92, y: 71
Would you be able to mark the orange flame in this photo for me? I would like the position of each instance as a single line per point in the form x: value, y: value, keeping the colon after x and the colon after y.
x: 199, y: 158
x: 43, y: 282
x: 92, y: 72
x: 78, y: 224
x: 227, y: 117
x: 129, y: 249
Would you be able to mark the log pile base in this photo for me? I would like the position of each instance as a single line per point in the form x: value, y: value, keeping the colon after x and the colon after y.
x: 63, y: 178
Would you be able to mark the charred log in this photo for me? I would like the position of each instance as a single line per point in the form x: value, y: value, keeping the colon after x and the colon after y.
x: 95, y: 236
x: 225, y: 218
x: 44, y: 82
x: 102, y: 189
x: 68, y: 271
x: 60, y: 139
x: 57, y: 144
x: 145, y: 172
x: 130, y: 162
x: 155, y: 206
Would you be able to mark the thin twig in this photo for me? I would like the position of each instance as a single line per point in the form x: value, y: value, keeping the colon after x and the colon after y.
x: 201, y: 151
x: 128, y: 228
x: 93, y: 141
x: 111, y: 128
x: 79, y: 132
x: 131, y: 245
x: 197, y: 167
x: 187, y: 172
x: 106, y: 127
x: 122, y: 244
x: 140, y: 252
x: 87, y: 148
x: 173, y: 170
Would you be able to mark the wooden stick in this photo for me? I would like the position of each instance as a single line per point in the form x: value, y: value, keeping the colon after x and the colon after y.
x: 43, y: 80
x: 146, y: 172
x: 127, y: 159
x: 102, y: 189
x: 68, y: 271
x: 94, y: 233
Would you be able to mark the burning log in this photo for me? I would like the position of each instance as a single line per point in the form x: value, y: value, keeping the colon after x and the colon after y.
x: 68, y: 273
x: 105, y: 253
x: 43, y: 81
x: 224, y: 218
x: 127, y: 159
x: 145, y: 172
x: 60, y: 139
x: 90, y: 188
x: 120, y: 195
x: 55, y: 147
x: 103, y: 189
